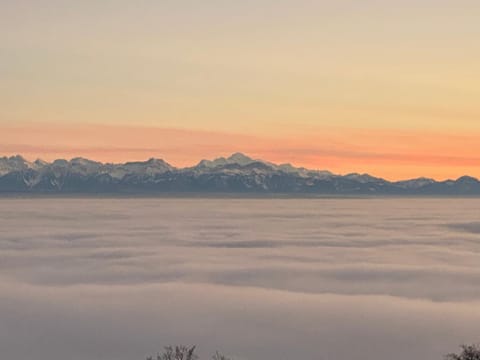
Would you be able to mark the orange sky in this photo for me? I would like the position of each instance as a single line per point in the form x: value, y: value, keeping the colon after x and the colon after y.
x: 390, y: 154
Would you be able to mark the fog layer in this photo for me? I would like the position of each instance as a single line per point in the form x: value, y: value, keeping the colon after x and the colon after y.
x: 116, y: 279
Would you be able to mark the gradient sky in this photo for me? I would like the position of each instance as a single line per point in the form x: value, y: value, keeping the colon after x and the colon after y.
x: 387, y: 87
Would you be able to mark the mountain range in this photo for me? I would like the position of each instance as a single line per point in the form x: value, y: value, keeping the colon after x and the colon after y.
x: 235, y: 174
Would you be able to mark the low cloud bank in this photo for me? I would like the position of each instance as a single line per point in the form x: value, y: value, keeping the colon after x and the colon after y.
x: 261, y: 279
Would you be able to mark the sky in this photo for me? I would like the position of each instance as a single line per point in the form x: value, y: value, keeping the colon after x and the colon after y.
x: 385, y: 87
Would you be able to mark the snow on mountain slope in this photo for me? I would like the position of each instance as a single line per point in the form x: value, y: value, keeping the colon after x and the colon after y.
x: 237, y: 173
x: 415, y: 183
x: 141, y: 168
x: 13, y: 163
x: 239, y: 163
x: 363, y: 178
x: 237, y: 158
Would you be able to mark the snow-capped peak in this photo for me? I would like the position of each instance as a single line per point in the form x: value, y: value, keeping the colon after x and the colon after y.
x: 237, y: 158
x: 415, y: 183
x: 83, y: 161
x: 13, y: 163
x: 40, y: 162
x: 362, y: 178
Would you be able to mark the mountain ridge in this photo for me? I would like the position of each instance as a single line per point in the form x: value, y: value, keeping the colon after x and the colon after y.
x: 237, y: 173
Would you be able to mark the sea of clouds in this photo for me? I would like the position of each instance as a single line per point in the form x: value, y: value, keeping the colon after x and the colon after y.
x: 259, y: 279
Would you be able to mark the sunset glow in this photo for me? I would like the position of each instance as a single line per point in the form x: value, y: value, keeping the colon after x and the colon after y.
x: 390, y: 88
x: 389, y: 154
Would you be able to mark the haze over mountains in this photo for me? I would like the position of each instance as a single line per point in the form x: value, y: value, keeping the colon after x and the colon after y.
x: 235, y: 174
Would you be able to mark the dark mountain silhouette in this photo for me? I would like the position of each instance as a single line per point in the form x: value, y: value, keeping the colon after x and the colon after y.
x: 235, y: 174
